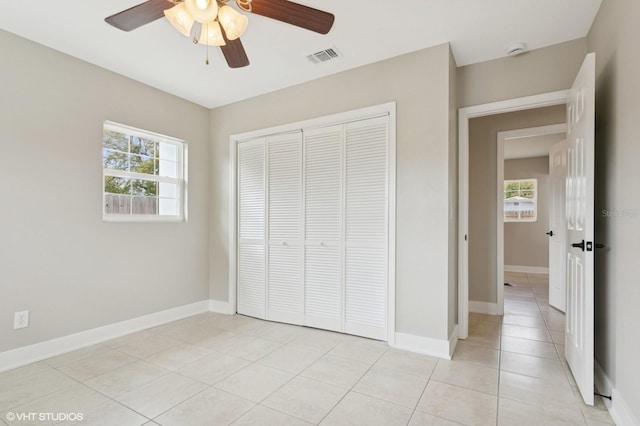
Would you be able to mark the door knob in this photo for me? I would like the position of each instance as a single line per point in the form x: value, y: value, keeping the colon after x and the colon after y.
x: 579, y: 245
x: 550, y: 233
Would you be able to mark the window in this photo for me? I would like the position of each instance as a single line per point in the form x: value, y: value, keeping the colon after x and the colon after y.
x: 521, y: 200
x: 143, y: 175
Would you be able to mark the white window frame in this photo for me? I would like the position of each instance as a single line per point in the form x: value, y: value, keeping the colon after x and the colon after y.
x: 534, y: 199
x: 180, y: 180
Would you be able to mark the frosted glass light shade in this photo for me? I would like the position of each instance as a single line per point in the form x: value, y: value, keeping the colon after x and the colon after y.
x: 211, y: 35
x: 180, y: 19
x: 234, y: 23
x: 203, y: 11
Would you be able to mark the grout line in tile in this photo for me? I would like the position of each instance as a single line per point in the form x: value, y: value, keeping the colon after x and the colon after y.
x: 354, y: 385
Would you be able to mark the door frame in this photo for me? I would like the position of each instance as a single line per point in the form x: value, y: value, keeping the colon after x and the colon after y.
x: 464, y: 115
x: 386, y: 109
x: 502, y: 137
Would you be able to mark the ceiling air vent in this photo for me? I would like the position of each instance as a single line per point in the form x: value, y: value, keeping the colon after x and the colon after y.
x: 323, y: 55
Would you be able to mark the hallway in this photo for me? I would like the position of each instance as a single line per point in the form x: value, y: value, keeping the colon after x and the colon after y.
x: 535, y: 385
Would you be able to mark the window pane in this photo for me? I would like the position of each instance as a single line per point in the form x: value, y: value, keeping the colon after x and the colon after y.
x: 142, y: 146
x: 144, y: 187
x: 144, y: 205
x: 509, y: 194
x: 117, y: 204
x: 168, y: 190
x: 143, y: 164
x: 511, y: 186
x: 136, y: 157
x: 167, y: 151
x: 115, y: 140
x: 115, y: 160
x: 117, y: 185
x: 168, y: 207
x: 168, y: 168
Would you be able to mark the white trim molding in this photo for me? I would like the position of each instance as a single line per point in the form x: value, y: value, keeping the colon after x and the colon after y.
x: 526, y: 269
x: 617, y: 406
x: 38, y: 351
x: 485, y: 308
x: 464, y: 115
x: 426, y: 345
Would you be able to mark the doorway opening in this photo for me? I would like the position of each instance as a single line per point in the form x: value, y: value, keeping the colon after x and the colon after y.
x: 526, y: 209
x: 465, y: 115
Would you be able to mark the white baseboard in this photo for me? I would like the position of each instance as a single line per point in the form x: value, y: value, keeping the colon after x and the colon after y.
x: 483, y: 307
x: 220, y: 307
x: 603, y: 384
x: 426, y: 345
x: 617, y: 406
x: 526, y: 269
x: 28, y: 354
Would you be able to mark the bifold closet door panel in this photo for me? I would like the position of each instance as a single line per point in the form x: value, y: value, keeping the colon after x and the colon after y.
x: 366, y: 227
x: 323, y: 227
x: 285, y: 286
x: 251, y: 228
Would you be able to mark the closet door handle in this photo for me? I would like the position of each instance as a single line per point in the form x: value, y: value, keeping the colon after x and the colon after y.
x: 550, y: 233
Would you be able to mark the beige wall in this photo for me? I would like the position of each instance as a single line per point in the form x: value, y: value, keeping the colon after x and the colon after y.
x: 420, y: 84
x: 539, y: 71
x: 526, y: 243
x: 483, y: 181
x: 58, y: 259
x: 614, y: 37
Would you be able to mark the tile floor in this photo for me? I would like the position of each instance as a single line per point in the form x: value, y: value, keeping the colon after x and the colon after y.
x: 213, y: 369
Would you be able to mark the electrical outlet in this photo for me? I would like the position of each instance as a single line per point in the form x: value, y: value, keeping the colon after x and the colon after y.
x: 20, y: 320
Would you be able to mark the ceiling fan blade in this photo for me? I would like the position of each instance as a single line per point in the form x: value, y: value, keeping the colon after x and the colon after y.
x: 139, y: 15
x: 295, y: 14
x: 234, y: 52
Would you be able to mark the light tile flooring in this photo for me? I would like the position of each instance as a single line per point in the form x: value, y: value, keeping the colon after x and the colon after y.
x: 215, y: 370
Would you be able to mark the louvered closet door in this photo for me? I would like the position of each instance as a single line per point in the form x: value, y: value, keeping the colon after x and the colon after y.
x: 285, y: 286
x: 251, y: 228
x: 366, y: 219
x: 323, y: 227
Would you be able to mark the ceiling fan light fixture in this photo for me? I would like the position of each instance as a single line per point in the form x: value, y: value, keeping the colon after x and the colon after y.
x: 234, y: 23
x: 203, y: 11
x: 212, y: 35
x: 180, y: 19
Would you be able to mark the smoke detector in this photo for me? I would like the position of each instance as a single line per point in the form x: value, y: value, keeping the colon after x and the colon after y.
x: 516, y: 49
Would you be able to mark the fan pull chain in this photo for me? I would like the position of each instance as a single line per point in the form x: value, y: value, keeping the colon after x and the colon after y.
x: 206, y: 60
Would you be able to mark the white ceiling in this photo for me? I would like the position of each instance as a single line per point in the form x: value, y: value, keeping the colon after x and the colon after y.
x: 365, y: 31
x: 531, y: 146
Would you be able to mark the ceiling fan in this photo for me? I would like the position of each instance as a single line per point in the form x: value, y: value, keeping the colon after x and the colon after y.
x: 220, y: 25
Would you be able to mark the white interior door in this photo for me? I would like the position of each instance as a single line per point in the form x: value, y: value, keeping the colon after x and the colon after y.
x: 323, y: 177
x: 558, y: 227
x: 285, y: 285
x: 251, y: 228
x: 366, y: 227
x: 580, y: 232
